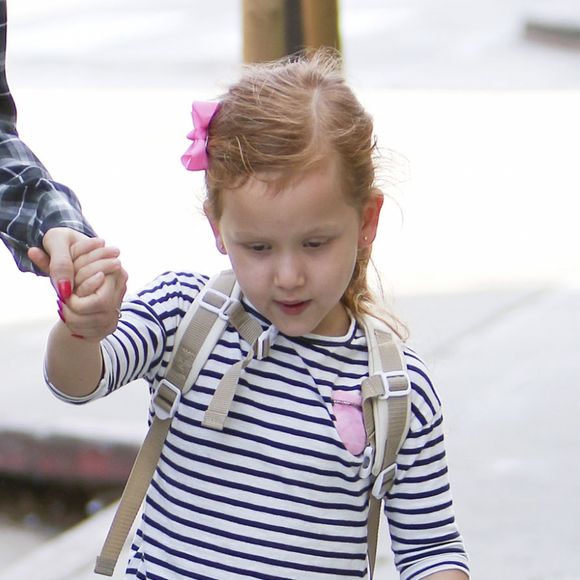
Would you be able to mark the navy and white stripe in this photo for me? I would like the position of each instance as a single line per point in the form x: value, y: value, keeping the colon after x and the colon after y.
x: 276, y: 495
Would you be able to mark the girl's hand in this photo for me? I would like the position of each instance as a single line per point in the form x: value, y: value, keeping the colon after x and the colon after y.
x: 93, y: 311
x: 92, y: 262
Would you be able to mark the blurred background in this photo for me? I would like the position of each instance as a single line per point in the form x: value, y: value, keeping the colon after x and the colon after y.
x: 477, y: 101
x: 476, y: 108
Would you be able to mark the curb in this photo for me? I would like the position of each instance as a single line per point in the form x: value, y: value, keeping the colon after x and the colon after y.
x: 65, y: 458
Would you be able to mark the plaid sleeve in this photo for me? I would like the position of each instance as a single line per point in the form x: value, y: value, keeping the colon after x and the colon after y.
x: 30, y: 201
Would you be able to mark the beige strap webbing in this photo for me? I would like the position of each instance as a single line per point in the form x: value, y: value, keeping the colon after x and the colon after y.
x: 196, y: 329
x: 374, y: 521
x: 390, y: 386
x: 219, y: 406
x: 135, y: 489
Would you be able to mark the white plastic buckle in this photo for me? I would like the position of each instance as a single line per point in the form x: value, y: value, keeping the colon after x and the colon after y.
x: 222, y: 311
x: 383, y: 479
x: 366, y: 466
x: 265, y: 341
x: 166, y: 399
x: 389, y: 392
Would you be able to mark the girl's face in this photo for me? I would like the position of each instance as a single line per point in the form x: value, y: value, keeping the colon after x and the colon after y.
x: 293, y: 251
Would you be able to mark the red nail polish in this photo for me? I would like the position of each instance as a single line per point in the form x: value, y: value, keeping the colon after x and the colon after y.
x: 64, y: 289
x: 60, y: 312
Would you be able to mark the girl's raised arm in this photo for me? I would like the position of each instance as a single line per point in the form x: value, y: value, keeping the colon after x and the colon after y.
x: 74, y: 362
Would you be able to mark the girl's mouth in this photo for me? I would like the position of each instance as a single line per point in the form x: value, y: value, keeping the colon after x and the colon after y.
x: 293, y: 308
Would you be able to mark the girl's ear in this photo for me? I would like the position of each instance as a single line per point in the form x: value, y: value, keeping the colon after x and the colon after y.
x: 370, y: 218
x: 214, y: 224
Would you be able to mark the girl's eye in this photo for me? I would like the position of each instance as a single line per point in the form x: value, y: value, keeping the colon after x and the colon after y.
x: 314, y: 243
x: 257, y: 247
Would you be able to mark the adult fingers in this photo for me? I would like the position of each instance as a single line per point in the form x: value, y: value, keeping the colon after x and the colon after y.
x: 58, y: 243
x: 85, y: 246
x: 105, y: 266
x: 103, y: 253
x: 40, y: 259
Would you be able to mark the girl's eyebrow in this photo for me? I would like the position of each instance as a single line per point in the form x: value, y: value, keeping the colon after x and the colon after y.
x: 323, y: 229
x: 246, y: 233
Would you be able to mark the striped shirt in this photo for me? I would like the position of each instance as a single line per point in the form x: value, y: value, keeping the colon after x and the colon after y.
x: 30, y: 201
x: 276, y: 495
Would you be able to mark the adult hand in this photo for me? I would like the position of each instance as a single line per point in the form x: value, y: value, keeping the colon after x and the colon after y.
x: 56, y: 260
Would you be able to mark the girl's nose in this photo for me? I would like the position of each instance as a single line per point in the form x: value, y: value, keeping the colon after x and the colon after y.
x: 289, y: 273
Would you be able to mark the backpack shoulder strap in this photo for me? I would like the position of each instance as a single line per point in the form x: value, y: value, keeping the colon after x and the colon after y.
x: 386, y: 395
x: 196, y: 337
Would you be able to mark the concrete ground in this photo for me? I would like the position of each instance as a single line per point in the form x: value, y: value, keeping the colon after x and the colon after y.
x: 483, y: 261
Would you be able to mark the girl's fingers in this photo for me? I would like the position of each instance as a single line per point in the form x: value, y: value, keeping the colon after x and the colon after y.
x: 104, y: 300
x: 92, y: 311
x: 89, y: 285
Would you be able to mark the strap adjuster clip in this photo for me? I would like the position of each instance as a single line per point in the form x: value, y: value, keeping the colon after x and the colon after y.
x: 366, y: 466
x: 221, y: 304
x: 396, y: 384
x: 166, y: 399
x: 265, y: 341
x: 384, y: 480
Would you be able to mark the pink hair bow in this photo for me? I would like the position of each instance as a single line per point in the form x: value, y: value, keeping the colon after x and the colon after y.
x: 195, y: 158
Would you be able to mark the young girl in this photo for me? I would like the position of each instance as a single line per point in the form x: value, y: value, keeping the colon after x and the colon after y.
x: 279, y: 493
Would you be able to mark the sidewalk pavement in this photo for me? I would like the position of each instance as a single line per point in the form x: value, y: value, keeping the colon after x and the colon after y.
x: 507, y: 368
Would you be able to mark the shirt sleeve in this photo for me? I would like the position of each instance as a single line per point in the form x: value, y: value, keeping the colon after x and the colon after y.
x: 142, y: 345
x: 424, y: 535
x: 31, y: 202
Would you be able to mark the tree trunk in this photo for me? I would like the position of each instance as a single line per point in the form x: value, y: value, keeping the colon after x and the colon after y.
x: 264, y: 30
x: 320, y: 23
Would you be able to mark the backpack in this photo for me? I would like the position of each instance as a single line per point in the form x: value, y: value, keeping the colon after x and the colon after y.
x: 386, y: 402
